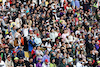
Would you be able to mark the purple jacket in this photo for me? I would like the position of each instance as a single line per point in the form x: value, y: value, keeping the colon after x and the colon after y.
x: 77, y: 3
x: 38, y: 65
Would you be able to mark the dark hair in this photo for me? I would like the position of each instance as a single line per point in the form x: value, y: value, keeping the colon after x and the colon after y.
x: 17, y: 29
x: 80, y: 59
x: 30, y: 58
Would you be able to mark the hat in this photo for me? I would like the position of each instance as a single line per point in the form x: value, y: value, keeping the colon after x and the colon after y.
x: 89, y: 59
x: 46, y: 60
x: 55, y: 45
x: 14, y: 52
x: 47, y: 33
x: 57, y: 39
x: 60, y: 9
x: 16, y: 58
x: 59, y: 34
x: 5, y: 17
x: 10, y: 20
x: 98, y: 62
x: 8, y: 13
x: 96, y: 36
x: 30, y: 30
x: 60, y: 21
x: 20, y: 57
x: 0, y: 58
x: 8, y: 56
x: 39, y: 59
x: 56, y: 20
x: 37, y: 34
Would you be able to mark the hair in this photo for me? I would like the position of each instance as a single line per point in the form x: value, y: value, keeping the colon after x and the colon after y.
x: 80, y: 59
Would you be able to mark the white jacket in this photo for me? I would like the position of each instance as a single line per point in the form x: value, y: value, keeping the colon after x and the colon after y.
x: 44, y: 65
x: 2, y: 64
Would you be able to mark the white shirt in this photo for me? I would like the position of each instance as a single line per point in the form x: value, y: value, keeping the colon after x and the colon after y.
x: 44, y: 65
x: 52, y: 36
x: 48, y: 45
x: 18, y: 22
x: 25, y: 32
x: 2, y: 64
x: 78, y: 64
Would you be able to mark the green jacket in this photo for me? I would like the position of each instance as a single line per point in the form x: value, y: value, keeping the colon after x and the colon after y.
x: 63, y: 65
x: 52, y: 65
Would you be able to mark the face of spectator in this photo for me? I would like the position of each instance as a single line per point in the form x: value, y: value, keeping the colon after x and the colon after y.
x: 19, y: 16
x: 90, y: 62
x: 9, y: 58
x: 16, y: 60
x: 93, y: 41
x: 47, y: 52
x: 64, y: 61
x: 53, y: 61
x: 38, y: 47
x: 31, y: 60
x: 20, y: 60
x: 40, y: 60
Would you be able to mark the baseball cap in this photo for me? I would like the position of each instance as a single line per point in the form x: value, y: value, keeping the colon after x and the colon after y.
x: 14, y: 52
x: 16, y: 58
x: 0, y: 58
x: 59, y: 34
x: 46, y: 60
x: 37, y: 34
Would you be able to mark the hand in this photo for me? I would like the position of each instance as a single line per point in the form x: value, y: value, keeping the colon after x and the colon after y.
x: 38, y: 53
x: 1, y: 51
x: 31, y: 65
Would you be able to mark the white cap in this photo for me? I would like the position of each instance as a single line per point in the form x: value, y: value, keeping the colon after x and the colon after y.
x: 8, y: 13
x: 5, y: 17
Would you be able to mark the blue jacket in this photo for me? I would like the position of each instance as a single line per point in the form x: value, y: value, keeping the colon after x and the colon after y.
x: 30, y: 45
x: 20, y: 54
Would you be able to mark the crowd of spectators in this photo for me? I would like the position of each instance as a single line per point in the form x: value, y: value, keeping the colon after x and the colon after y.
x: 55, y: 33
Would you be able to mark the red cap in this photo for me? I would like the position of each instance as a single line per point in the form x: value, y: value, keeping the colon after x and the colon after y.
x: 46, y: 60
x: 55, y: 45
x: 59, y: 34
x: 14, y: 52
x: 56, y: 20
x: 0, y: 57
x: 30, y: 31
x: 37, y: 34
x: 57, y: 39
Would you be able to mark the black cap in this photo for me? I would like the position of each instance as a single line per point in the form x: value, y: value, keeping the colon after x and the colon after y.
x: 20, y: 57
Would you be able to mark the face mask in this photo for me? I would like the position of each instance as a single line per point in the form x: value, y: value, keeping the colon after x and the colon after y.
x: 71, y: 63
x: 42, y: 46
x: 21, y: 29
x: 33, y: 38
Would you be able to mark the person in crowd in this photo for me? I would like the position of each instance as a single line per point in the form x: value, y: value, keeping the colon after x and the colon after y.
x: 39, y: 53
x: 52, y: 64
x: 30, y: 62
x: 9, y: 62
x: 46, y: 56
x: 46, y: 63
x: 2, y: 63
x: 31, y: 43
x: 39, y: 63
x: 80, y: 63
x: 63, y: 64
x: 21, y: 62
x: 20, y: 53
x: 16, y: 61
